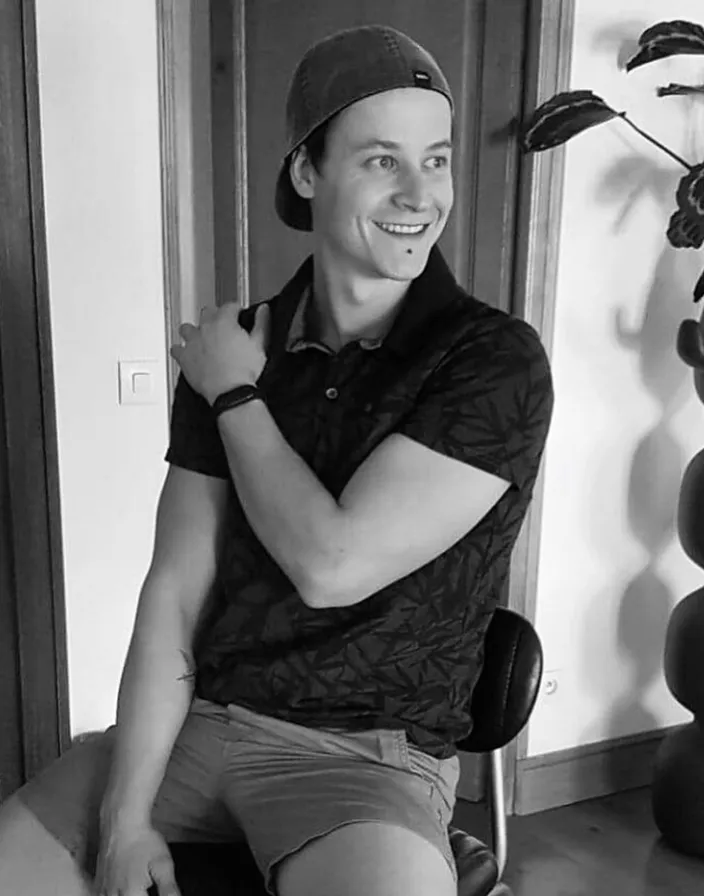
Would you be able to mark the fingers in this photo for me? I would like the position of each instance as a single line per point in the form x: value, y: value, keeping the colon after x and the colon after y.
x: 214, y: 327
x: 98, y: 883
x: 260, y: 330
x: 261, y: 315
x: 187, y: 331
x: 207, y: 313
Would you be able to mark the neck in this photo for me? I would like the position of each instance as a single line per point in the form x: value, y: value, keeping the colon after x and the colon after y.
x: 351, y: 306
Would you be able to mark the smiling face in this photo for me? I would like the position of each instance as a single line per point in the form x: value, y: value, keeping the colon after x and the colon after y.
x: 384, y: 190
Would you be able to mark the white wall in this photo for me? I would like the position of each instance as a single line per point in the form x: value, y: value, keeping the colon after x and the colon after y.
x: 626, y: 418
x: 98, y: 85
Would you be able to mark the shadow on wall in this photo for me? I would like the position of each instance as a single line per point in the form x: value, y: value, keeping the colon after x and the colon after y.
x: 656, y: 472
x: 657, y: 466
x: 658, y: 462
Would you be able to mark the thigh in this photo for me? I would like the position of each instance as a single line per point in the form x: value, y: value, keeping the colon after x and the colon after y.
x: 32, y: 862
x: 370, y: 858
x: 67, y: 795
x: 293, y: 785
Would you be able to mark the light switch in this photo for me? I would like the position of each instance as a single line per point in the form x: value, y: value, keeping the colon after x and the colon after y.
x: 141, y: 384
x: 138, y: 381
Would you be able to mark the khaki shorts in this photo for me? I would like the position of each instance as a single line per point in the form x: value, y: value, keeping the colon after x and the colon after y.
x: 236, y: 774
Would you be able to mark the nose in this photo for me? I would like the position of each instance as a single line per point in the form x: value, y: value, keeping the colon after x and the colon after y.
x: 412, y: 192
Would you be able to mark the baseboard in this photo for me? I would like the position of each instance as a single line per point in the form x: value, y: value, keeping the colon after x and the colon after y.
x: 582, y: 773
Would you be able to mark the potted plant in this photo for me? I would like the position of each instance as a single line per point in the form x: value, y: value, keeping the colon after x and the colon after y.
x: 678, y: 777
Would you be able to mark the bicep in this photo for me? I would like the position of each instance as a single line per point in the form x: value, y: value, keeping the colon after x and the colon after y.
x: 404, y: 506
x: 188, y: 520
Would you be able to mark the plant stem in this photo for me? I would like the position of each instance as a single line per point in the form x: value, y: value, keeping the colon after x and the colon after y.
x: 655, y: 142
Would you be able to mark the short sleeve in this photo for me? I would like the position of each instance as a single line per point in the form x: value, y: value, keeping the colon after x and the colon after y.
x: 195, y: 442
x: 489, y: 403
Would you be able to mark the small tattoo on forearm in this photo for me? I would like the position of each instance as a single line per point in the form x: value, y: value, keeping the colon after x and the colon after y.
x: 190, y: 674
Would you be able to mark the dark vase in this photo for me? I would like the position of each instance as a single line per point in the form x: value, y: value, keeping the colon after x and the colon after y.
x: 678, y: 775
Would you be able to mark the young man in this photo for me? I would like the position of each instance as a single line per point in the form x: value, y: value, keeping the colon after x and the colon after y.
x: 349, y: 469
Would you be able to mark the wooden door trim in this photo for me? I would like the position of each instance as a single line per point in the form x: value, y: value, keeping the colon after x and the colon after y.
x: 503, y: 28
x: 241, y: 248
x: 547, y: 71
x: 168, y: 25
x: 29, y: 406
x: 184, y: 53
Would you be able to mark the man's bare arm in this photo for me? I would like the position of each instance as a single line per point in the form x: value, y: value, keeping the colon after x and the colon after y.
x: 157, y: 681
x: 404, y: 506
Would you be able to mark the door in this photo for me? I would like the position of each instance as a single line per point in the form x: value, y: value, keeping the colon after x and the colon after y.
x: 254, y: 47
x: 33, y: 686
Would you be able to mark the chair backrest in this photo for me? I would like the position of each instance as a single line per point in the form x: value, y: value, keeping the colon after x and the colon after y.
x: 508, y: 686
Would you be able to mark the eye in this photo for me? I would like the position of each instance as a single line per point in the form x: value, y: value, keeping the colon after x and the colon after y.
x: 385, y: 163
x: 438, y: 162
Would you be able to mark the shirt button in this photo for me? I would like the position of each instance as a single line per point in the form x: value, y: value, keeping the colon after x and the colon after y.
x: 331, y: 393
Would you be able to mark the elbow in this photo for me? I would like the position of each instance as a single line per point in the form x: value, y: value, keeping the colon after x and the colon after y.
x: 312, y: 586
x: 330, y: 584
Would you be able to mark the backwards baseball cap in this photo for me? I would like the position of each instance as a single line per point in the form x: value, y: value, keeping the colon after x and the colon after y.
x: 333, y: 74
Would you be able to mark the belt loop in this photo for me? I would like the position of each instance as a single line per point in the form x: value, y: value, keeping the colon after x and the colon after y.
x: 402, y: 746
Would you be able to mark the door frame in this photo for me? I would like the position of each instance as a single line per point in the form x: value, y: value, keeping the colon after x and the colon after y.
x: 28, y: 408
x: 537, y: 35
x: 547, y: 71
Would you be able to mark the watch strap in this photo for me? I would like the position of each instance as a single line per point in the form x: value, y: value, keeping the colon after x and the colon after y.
x: 235, y: 397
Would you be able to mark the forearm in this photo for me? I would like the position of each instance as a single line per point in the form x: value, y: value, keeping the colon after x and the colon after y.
x: 293, y: 514
x: 156, y: 690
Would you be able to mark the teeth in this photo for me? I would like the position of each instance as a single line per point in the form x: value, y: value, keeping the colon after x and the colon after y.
x: 402, y: 228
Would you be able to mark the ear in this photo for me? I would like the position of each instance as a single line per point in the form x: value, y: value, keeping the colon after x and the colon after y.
x: 302, y: 173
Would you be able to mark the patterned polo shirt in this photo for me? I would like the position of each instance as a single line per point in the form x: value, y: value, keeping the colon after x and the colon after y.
x: 466, y: 380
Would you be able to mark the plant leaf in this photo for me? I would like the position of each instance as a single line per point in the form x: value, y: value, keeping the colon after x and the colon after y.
x: 667, y: 39
x: 690, y: 193
x: 690, y: 345
x: 685, y: 232
x: 699, y: 288
x: 562, y: 117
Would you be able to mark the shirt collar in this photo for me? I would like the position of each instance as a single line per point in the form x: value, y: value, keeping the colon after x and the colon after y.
x: 301, y: 333
x: 431, y: 292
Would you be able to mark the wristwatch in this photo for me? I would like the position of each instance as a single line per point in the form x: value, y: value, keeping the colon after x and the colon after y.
x: 234, y: 397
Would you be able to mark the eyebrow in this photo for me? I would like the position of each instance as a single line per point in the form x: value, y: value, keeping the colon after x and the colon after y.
x: 390, y: 144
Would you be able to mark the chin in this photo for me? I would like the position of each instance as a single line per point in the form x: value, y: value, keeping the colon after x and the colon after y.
x: 406, y: 267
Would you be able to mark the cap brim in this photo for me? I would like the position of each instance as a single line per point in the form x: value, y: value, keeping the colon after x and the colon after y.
x: 290, y: 207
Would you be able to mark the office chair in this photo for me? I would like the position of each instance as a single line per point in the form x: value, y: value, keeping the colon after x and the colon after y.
x: 502, y: 702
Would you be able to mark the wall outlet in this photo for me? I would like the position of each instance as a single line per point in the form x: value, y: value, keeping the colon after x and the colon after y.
x: 552, y: 679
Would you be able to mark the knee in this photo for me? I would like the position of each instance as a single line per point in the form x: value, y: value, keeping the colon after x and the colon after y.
x: 12, y: 812
x: 19, y: 827
x: 371, y: 858
x: 32, y: 861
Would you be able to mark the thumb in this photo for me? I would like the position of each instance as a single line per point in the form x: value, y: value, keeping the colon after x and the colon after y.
x: 163, y: 875
x: 260, y: 330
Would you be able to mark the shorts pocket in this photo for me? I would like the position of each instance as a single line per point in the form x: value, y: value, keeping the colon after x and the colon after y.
x: 441, y: 776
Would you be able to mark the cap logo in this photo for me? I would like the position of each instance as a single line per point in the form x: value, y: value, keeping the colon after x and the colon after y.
x: 422, y: 79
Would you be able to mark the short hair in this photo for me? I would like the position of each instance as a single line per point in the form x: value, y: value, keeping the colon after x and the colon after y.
x: 316, y: 144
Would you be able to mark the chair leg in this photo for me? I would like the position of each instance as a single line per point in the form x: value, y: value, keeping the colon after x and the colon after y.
x: 497, y: 803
